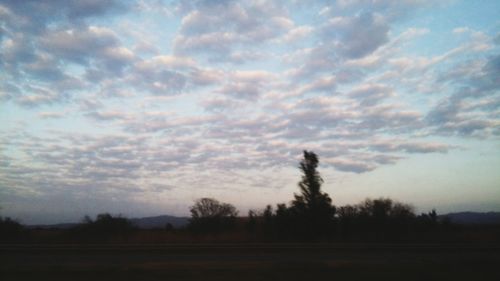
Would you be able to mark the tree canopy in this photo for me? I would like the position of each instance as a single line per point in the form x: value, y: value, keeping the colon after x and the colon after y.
x: 311, y: 212
x: 211, y: 208
x: 312, y: 199
x: 210, y: 215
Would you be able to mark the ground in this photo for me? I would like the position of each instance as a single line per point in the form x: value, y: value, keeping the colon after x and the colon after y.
x: 251, y: 262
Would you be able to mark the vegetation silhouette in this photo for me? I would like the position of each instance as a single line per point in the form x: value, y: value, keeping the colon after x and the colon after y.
x: 309, y: 216
x: 105, y: 227
x: 210, y: 216
x: 86, y: 250
x: 381, y: 218
x: 10, y: 230
x: 312, y: 209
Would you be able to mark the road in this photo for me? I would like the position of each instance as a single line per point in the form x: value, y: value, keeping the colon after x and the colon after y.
x: 251, y: 262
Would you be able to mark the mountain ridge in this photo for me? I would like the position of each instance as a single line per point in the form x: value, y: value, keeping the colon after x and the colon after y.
x: 143, y: 223
x: 160, y: 221
x: 473, y: 218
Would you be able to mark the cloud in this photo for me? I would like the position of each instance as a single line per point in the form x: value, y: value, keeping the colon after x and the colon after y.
x: 346, y: 165
x: 371, y: 94
x: 389, y: 117
x: 326, y: 84
x: 460, y: 113
x: 220, y: 28
x: 88, y: 44
x: 39, y: 96
x: 159, y: 81
x: 393, y: 10
x: 8, y: 90
x: 41, y: 41
x: 205, y: 77
x: 242, y: 90
x: 311, y: 61
x: 409, y: 147
x: 351, y: 44
x: 140, y: 101
x: 496, y: 40
x: 51, y: 115
x: 470, y: 127
x: 35, y: 16
x: 297, y: 33
x: 166, y: 62
x: 357, y: 36
x: 45, y: 68
x: 171, y: 75
x: 459, y: 30
x: 17, y: 49
x: 108, y: 115
x: 219, y: 104
x: 247, y: 84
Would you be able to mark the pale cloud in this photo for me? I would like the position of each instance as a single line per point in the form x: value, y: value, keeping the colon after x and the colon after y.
x: 346, y: 165
x: 146, y: 101
x: 109, y: 115
x: 166, y: 61
x: 221, y: 29
x: 370, y: 94
x: 50, y: 115
x: 459, y: 30
x: 93, y: 44
x: 392, y: 145
x: 297, y: 33
x: 357, y: 36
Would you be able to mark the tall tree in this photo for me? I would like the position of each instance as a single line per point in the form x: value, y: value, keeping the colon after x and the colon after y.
x: 313, y: 206
x: 311, y: 196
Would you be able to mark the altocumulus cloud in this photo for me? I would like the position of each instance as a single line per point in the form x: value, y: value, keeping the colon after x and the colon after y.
x: 138, y: 101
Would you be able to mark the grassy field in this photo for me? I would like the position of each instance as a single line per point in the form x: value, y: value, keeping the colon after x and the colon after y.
x: 251, y: 262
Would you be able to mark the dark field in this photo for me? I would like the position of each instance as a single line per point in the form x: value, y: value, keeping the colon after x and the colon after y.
x: 251, y: 262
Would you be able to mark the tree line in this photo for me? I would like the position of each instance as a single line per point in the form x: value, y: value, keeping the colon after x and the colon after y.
x: 310, y: 216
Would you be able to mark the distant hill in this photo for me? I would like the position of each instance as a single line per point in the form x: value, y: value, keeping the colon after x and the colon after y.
x: 144, y: 223
x: 473, y: 217
x: 55, y: 226
x: 159, y: 222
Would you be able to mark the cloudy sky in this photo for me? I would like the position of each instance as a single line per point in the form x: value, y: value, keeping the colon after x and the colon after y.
x: 141, y: 107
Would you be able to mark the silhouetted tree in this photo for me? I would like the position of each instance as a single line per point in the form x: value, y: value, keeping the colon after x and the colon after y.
x: 208, y: 208
x: 210, y: 215
x: 104, y: 227
x: 383, y: 209
x: 252, y: 221
x: 268, y: 213
x: 108, y: 223
x: 428, y: 221
x: 312, y: 207
x: 376, y: 219
x: 10, y: 229
x: 169, y: 227
x: 377, y: 210
x: 348, y: 217
x: 433, y: 216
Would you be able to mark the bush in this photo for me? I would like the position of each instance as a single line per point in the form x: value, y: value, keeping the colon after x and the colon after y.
x: 104, y: 227
x: 10, y: 229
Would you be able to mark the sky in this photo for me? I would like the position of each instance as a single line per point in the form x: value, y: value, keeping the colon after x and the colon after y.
x: 141, y: 107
